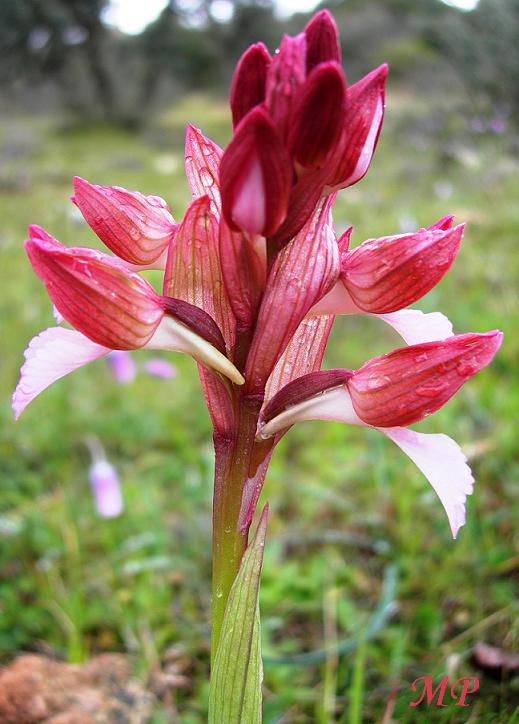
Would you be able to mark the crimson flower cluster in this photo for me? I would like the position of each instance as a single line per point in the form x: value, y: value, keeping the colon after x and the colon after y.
x: 254, y: 275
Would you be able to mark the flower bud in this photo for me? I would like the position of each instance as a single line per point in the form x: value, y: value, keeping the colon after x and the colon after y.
x: 322, y: 40
x: 255, y: 177
x: 362, y: 124
x: 248, y: 82
x: 318, y: 116
x: 135, y: 227
x: 96, y: 293
x: 408, y: 384
x: 286, y: 75
x: 387, y: 274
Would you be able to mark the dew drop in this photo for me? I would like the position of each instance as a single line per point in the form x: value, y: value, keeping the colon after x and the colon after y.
x: 375, y: 381
x: 430, y: 390
x: 467, y: 368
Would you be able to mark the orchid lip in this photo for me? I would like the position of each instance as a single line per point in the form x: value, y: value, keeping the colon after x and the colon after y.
x: 177, y: 337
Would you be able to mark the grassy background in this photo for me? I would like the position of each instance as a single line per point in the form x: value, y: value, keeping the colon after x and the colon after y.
x: 359, y: 553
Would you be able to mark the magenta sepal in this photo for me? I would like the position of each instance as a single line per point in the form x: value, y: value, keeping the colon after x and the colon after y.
x: 95, y: 293
x: 248, y: 81
x: 389, y: 273
x: 137, y: 228
x: 406, y: 385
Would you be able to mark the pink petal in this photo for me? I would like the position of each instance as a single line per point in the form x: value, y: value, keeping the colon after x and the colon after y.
x: 415, y: 327
x: 389, y: 273
x: 202, y: 161
x: 194, y: 274
x: 106, y: 489
x: 52, y: 354
x: 444, y: 465
x: 303, y: 271
x: 362, y: 124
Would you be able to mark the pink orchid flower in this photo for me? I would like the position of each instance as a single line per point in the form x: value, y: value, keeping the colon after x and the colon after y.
x: 253, y: 278
x: 104, y: 482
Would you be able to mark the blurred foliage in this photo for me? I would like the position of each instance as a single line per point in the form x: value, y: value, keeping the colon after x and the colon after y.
x: 348, y: 511
x: 61, y: 51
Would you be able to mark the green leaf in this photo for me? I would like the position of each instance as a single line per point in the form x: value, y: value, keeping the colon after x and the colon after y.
x: 235, y: 691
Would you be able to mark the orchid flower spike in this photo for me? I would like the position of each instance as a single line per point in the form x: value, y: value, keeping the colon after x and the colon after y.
x: 299, y: 131
x: 389, y: 393
x: 253, y: 278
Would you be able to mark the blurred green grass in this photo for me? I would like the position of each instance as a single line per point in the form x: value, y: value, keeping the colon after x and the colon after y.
x: 345, y: 503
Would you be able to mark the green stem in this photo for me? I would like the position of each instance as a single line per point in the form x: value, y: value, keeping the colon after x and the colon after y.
x: 229, y: 542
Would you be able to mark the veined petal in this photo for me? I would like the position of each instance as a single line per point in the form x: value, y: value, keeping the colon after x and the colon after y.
x: 362, y: 124
x: 317, y: 116
x: 415, y: 327
x: 444, y: 465
x: 202, y: 161
x: 135, y: 227
x: 255, y: 176
x: 95, y: 293
x: 389, y: 273
x: 243, y: 272
x: 303, y: 354
x: 194, y: 274
x: 408, y: 384
x: 322, y: 40
x: 303, y: 271
x: 248, y: 81
x: 286, y: 74
x: 52, y: 354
